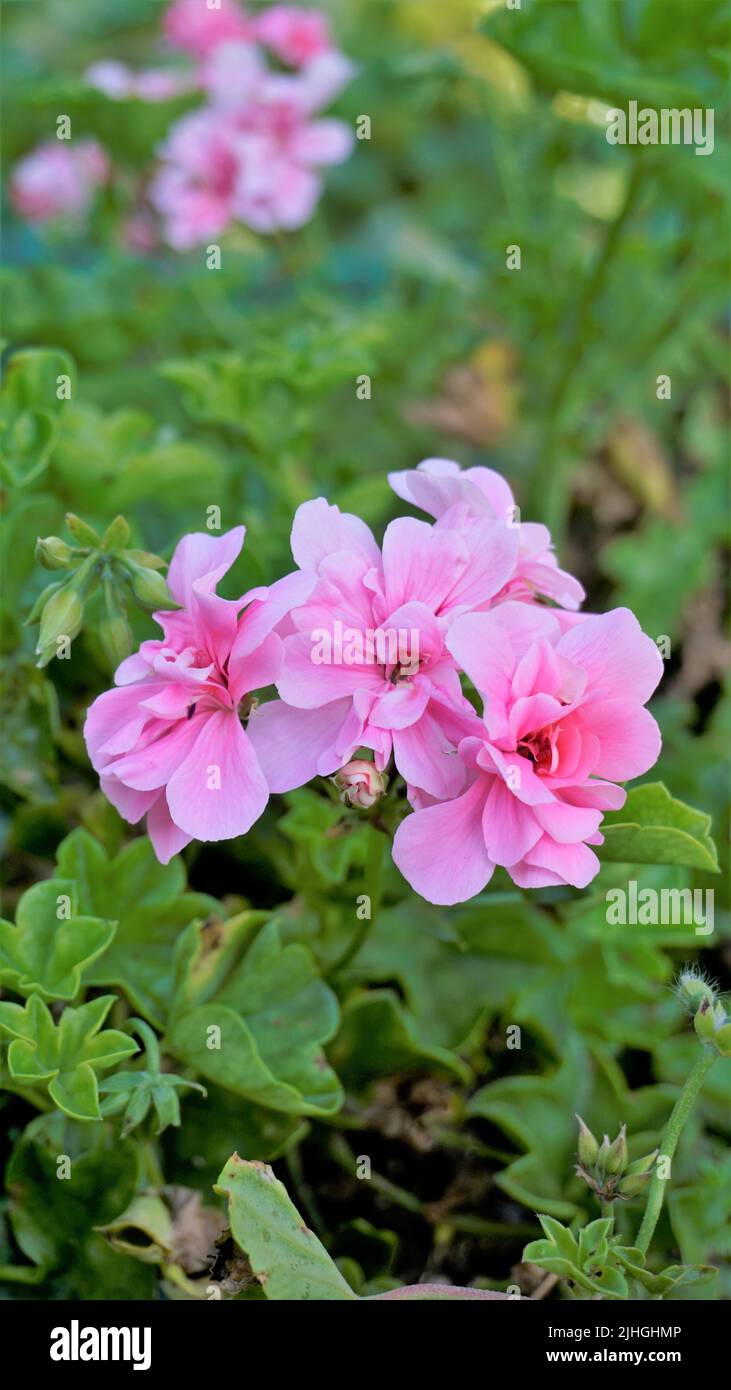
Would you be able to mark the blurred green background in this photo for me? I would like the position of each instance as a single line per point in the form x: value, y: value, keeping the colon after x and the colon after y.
x: 237, y: 387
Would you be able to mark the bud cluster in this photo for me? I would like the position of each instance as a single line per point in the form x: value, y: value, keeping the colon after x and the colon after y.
x: 710, y: 1017
x: 606, y: 1168
x: 95, y: 560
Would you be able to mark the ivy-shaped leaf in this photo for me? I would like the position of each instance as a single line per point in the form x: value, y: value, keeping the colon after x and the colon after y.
x: 288, y: 1259
x: 149, y: 902
x: 45, y: 954
x: 136, y: 1092
x: 654, y: 828
x: 588, y: 1262
x: 53, y: 1220
x: 378, y: 1038
x: 252, y: 1015
x: 65, y: 1056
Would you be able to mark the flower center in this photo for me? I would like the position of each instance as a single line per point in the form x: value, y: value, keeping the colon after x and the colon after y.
x: 541, y: 749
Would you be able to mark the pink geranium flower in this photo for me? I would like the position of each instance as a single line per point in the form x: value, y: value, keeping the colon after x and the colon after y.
x: 168, y: 742
x: 295, y: 35
x: 457, y: 497
x: 196, y: 28
x: 564, y: 720
x: 253, y: 154
x: 366, y: 660
x: 57, y: 179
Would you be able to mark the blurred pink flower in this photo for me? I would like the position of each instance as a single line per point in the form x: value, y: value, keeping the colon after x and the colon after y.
x: 251, y: 155
x: 366, y: 662
x: 294, y: 34
x: 58, y: 178
x: 197, y: 28
x: 456, y: 497
x: 564, y: 719
x: 119, y: 82
x: 168, y: 741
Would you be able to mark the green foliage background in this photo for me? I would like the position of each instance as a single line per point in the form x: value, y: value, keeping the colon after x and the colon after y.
x: 236, y: 388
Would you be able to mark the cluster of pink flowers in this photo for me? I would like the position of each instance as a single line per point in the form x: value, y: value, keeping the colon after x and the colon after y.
x: 524, y: 786
x: 58, y: 179
x: 250, y: 153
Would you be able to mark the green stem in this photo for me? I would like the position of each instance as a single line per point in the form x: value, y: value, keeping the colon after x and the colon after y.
x: 152, y: 1047
x: 373, y: 886
x: 548, y: 482
x: 673, y: 1131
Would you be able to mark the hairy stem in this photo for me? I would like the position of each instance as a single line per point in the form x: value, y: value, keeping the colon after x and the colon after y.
x: 673, y: 1131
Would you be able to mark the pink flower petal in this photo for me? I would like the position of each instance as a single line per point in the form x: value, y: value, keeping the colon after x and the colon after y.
x: 295, y: 745
x: 441, y: 851
x: 619, y: 659
x: 219, y: 789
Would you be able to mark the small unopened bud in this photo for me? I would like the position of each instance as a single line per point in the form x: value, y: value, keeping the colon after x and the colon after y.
x: 632, y: 1183
x: 360, y: 783
x: 616, y: 1160
x: 704, y: 1021
x: 146, y: 558
x: 116, y: 534
x: 600, y: 1162
x: 63, y: 613
x: 642, y: 1165
x: 148, y: 587
x: 53, y: 553
x: 692, y: 989
x: 82, y: 532
x: 62, y: 617
x: 723, y: 1040
x: 588, y: 1147
x: 115, y: 633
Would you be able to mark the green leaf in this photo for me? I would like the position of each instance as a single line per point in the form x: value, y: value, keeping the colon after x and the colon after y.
x: 63, y: 1178
x: 151, y: 906
x: 135, y: 1092
x: 377, y: 1037
x: 654, y: 828
x: 265, y: 1006
x: 65, y: 1056
x: 287, y: 1258
x: 45, y: 954
x: 453, y: 966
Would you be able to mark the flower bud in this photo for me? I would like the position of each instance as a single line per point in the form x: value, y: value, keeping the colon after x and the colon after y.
x: 642, y: 1165
x: 62, y: 616
x: 723, y: 1040
x: 632, y: 1183
x: 692, y: 989
x: 616, y: 1160
x: 360, y: 783
x: 600, y: 1162
x: 82, y: 532
x: 116, y: 534
x: 148, y: 587
x: 588, y: 1147
x: 115, y: 633
x: 146, y: 558
x: 704, y: 1021
x: 53, y: 553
